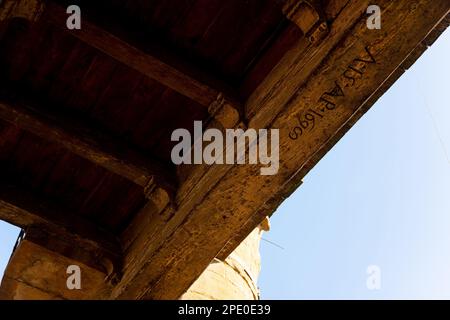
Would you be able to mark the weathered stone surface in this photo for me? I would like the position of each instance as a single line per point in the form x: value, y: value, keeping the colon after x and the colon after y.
x: 35, y: 272
x: 234, y: 277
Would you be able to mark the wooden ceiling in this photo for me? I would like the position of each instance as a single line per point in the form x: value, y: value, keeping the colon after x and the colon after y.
x: 47, y: 70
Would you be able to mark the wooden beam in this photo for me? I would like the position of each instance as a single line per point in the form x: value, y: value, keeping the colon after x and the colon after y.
x: 93, y: 146
x: 182, y: 80
x: 185, y: 79
x: 60, y: 230
x: 166, y: 262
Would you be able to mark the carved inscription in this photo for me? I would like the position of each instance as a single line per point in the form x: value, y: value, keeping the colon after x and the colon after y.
x: 329, y: 100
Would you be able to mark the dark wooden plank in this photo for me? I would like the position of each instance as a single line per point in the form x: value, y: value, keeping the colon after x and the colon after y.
x: 9, y: 136
x: 25, y: 210
x: 71, y: 180
x: 109, y: 200
x: 168, y: 13
x: 134, y: 58
x: 268, y: 60
x: 49, y: 56
x: 116, y: 101
x: 188, y: 31
x: 33, y: 160
x: 262, y: 24
x: 16, y: 49
x: 85, y: 94
x: 52, y: 172
x: 144, y: 98
x: 83, y: 142
x: 124, y: 202
x: 72, y: 72
x: 170, y: 111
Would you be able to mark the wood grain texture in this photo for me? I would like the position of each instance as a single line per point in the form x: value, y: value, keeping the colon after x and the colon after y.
x: 27, y: 211
x: 135, y: 58
x: 87, y: 144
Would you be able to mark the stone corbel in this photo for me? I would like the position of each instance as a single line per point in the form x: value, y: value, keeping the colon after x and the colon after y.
x: 308, y: 16
x: 153, y: 188
x: 265, y: 225
x: 224, y: 112
x: 107, y: 262
x: 162, y: 195
x: 30, y: 10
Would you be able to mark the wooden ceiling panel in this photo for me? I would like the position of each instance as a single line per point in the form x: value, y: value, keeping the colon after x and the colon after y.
x: 116, y: 101
x: 262, y: 24
x: 67, y: 76
x: 16, y: 49
x: 239, y: 34
x: 223, y: 37
x: 113, y: 203
x: 52, y: 172
x: 33, y: 160
x: 192, y: 27
x: 9, y: 136
x: 85, y: 93
x: 172, y: 111
x: 75, y: 67
x: 64, y: 75
x: 48, y: 58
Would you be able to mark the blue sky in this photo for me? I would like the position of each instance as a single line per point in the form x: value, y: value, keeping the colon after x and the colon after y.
x: 8, y: 237
x: 380, y: 197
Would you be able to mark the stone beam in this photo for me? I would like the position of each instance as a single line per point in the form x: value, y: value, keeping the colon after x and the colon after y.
x: 36, y: 272
x: 336, y: 79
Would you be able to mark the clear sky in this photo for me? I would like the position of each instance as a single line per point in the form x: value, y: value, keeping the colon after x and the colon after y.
x: 380, y: 197
x: 8, y: 237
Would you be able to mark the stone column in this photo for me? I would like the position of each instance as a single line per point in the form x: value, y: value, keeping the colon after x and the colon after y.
x: 234, y: 278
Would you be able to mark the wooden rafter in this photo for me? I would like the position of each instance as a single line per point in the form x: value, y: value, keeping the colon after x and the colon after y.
x: 71, y: 235
x: 90, y: 145
x: 205, y: 91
